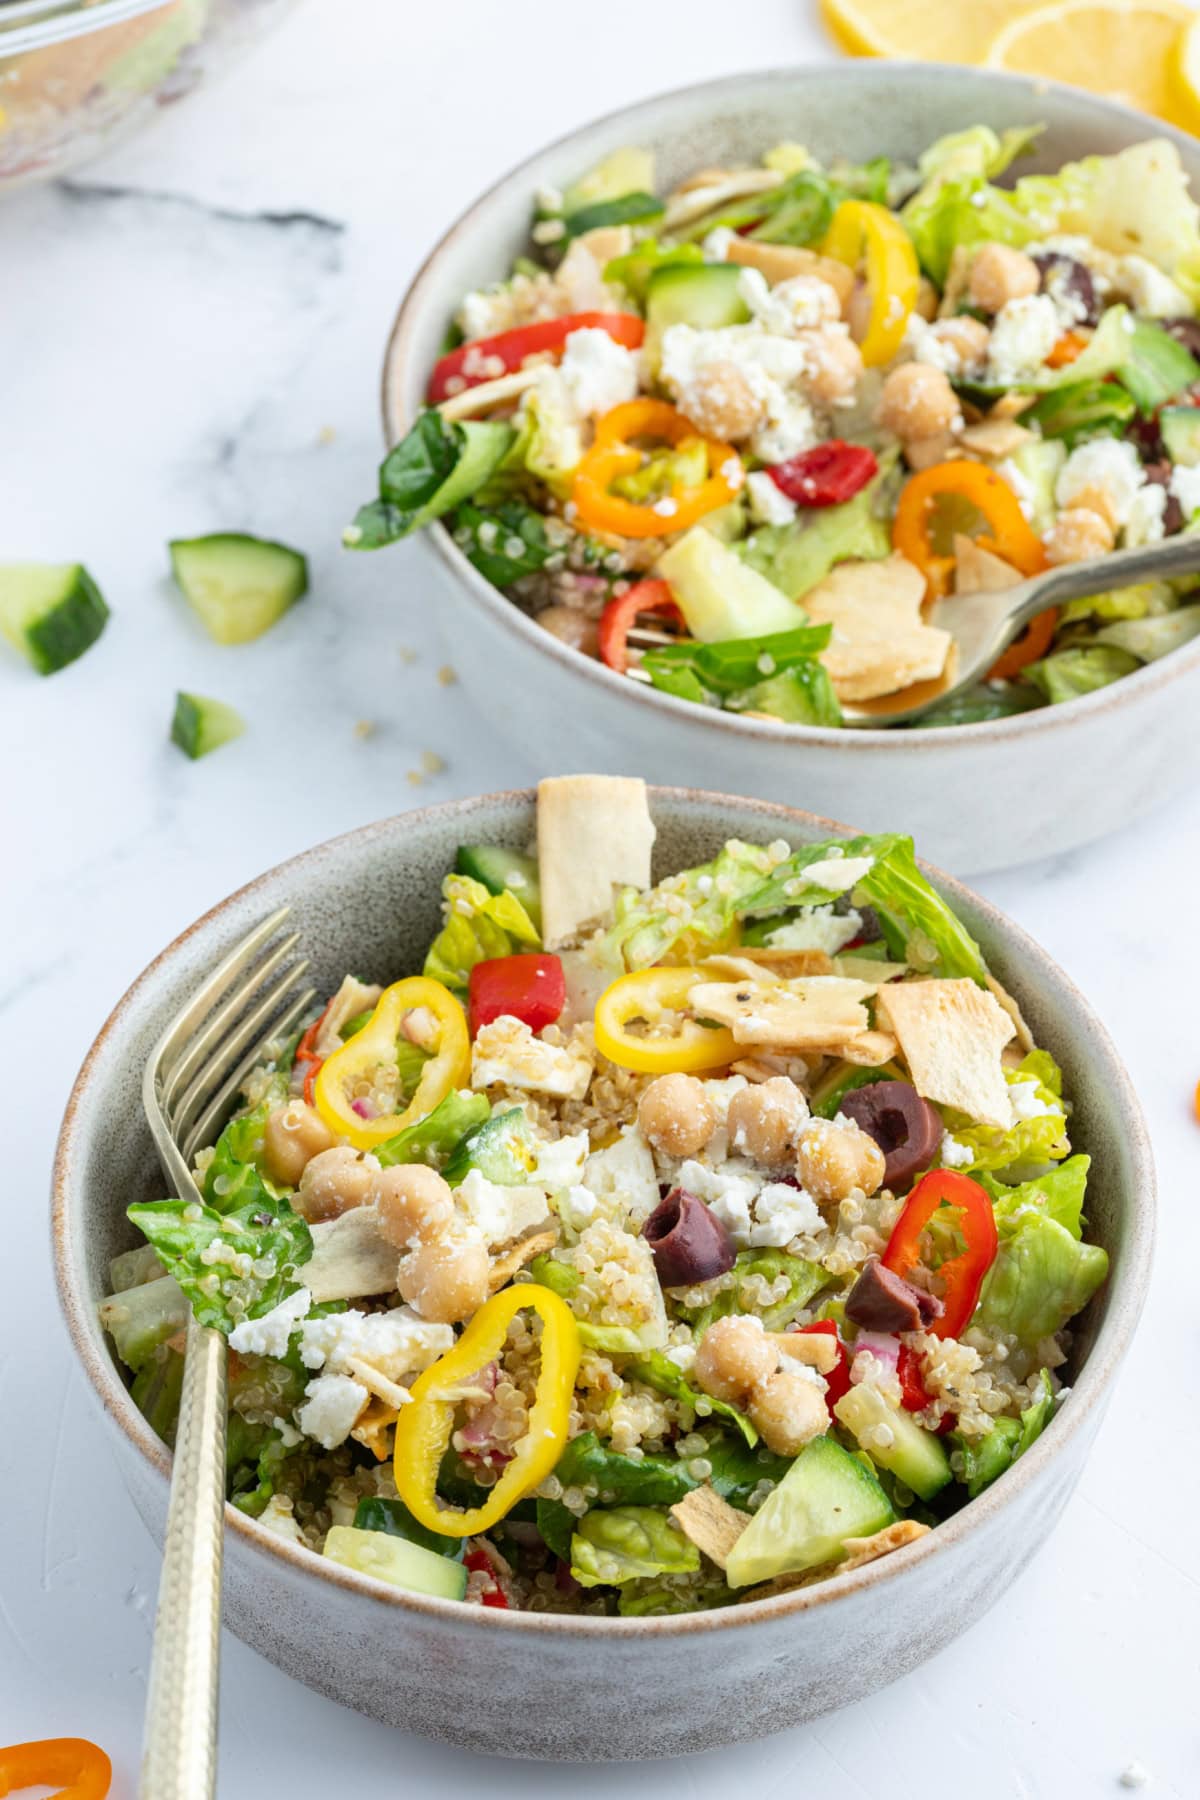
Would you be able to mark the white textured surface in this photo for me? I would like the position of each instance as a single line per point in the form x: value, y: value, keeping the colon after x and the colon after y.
x: 169, y: 353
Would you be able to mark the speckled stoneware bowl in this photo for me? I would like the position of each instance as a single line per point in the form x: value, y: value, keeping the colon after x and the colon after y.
x: 976, y: 797
x: 587, y: 1688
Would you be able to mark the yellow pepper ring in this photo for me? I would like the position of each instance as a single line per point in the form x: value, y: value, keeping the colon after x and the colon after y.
x: 612, y: 455
x: 424, y: 1426
x: 647, y: 994
x: 449, y: 1066
x: 867, y: 234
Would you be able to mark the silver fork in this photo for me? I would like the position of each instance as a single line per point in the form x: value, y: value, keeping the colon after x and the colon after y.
x: 193, y: 1075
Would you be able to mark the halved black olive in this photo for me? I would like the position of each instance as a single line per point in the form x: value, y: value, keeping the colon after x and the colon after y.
x: 689, y: 1242
x: 1064, y: 277
x: 906, y: 1128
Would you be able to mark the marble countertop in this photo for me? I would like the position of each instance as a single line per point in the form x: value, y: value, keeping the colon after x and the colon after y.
x: 190, y: 335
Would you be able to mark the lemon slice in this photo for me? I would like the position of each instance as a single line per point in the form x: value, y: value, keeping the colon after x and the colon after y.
x: 956, y: 33
x: 1185, y: 76
x: 1122, y: 48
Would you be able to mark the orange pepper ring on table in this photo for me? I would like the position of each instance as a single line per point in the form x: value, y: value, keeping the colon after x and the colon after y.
x: 1011, y: 537
x: 78, y: 1769
x: 612, y: 455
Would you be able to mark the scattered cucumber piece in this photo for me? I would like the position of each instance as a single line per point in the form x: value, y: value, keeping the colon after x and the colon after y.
x: 201, y: 725
x: 825, y: 1497
x: 914, y: 1455
x: 499, y: 869
x: 237, y: 585
x: 395, y: 1559
x: 1180, y: 428
x: 50, y: 612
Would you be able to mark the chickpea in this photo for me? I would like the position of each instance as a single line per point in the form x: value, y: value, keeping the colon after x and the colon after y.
x: 836, y: 1160
x: 967, y: 337
x: 676, y: 1115
x: 294, y: 1134
x: 927, y: 300
x: 734, y: 1357
x: 764, y: 1121
x: 572, y: 627
x: 999, y: 275
x: 414, y: 1204
x: 334, y: 1182
x: 835, y: 365
x: 721, y: 403
x: 446, y: 1281
x: 1077, y: 535
x: 917, y: 402
x: 789, y: 1411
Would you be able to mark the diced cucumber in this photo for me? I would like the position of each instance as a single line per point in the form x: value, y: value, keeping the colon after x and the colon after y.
x: 914, y: 1455
x: 237, y: 585
x: 395, y: 1559
x: 719, y: 595
x: 634, y: 208
x: 1180, y: 428
x: 701, y: 294
x: 50, y: 612
x: 200, y: 725
x: 825, y: 1497
x: 501, y: 1150
x: 624, y: 172
x: 498, y: 869
x: 391, y: 1518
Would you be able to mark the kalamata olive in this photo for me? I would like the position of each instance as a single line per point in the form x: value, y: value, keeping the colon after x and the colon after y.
x: 906, y: 1128
x: 1159, y: 473
x: 1185, y: 331
x: 1146, y: 438
x: 1067, y: 280
x: 881, y: 1300
x: 689, y: 1242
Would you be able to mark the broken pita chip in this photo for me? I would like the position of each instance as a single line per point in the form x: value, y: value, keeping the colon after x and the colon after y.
x: 880, y: 643
x: 870, y: 1050
x: 381, y: 1386
x: 978, y: 571
x: 373, y: 1428
x: 351, y: 1258
x: 951, y: 1034
x: 995, y: 437
x: 594, y: 835
x: 869, y: 1549
x: 1005, y: 999
x: 779, y: 965
x: 519, y: 1257
x: 815, y: 1349
x: 710, y: 1523
x: 811, y: 1011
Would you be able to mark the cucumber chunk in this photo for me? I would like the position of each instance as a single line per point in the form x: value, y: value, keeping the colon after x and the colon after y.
x: 50, y: 612
x: 825, y: 1497
x: 719, y: 595
x: 1180, y: 428
x: 395, y: 1559
x: 201, y: 725
x: 701, y: 294
x: 498, y: 869
x: 238, y: 586
x: 502, y: 1151
x: 915, y: 1456
x: 624, y: 172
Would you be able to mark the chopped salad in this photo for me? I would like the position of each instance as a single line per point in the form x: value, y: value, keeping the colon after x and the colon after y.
x: 662, y: 1244
x: 745, y: 441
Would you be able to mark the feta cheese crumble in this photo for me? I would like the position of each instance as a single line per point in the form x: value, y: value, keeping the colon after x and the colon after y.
x: 954, y: 1154
x: 769, y: 505
x: 331, y: 1407
x: 269, y: 1335
x: 1023, y: 335
x: 597, y: 372
x: 1110, y: 464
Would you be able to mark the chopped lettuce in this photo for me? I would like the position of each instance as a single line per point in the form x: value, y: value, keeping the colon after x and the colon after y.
x: 796, y: 557
x: 1029, y: 1141
x: 394, y: 1518
x: 435, y: 467
x: 687, y: 913
x: 440, y: 1134
x: 986, y: 700
x: 139, y: 1319
x: 1148, y: 599
x: 1150, y: 638
x: 803, y: 695
x: 1069, y: 674
x: 628, y: 1543
x: 986, y: 1458
x: 1056, y: 1194
x: 776, y: 673
x: 1042, y: 1276
x: 650, y: 1480
x: 641, y: 1321
x: 231, y: 1264
x: 976, y: 151
x: 658, y: 1371
x: 504, y: 542
x: 793, y: 1281
x: 657, y: 1596
x: 633, y: 271
x: 157, y: 1389
x: 479, y: 925
x: 961, y: 212
x: 254, y: 1455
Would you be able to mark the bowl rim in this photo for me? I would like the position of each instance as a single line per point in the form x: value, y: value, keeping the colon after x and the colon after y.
x: 437, y: 541
x: 1130, y: 1278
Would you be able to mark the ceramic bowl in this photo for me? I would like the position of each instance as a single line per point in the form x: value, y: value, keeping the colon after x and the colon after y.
x: 530, y: 1684
x: 976, y: 796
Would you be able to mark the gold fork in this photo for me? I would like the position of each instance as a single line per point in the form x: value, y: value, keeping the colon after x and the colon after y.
x: 192, y: 1079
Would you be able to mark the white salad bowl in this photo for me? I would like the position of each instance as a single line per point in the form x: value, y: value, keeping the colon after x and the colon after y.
x: 532, y: 1684
x: 974, y: 796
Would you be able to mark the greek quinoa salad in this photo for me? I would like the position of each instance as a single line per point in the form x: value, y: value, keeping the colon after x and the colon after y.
x: 658, y: 1246
x: 746, y: 442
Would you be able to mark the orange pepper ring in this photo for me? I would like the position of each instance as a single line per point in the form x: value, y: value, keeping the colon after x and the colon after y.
x: 612, y: 455
x: 79, y: 1769
x: 1011, y: 535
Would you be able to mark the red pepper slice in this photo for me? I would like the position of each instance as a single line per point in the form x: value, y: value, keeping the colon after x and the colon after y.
x: 961, y: 1276
x: 472, y: 363
x: 618, y: 616
x: 826, y: 475
x: 306, y: 1052
x: 837, y: 1382
x: 480, y: 1563
x: 531, y: 987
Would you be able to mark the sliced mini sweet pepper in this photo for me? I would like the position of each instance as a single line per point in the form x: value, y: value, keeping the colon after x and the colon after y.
x: 868, y: 235
x: 613, y: 454
x: 960, y: 1276
x: 485, y: 358
x: 1010, y: 534
x: 75, y: 1768
x: 616, y: 621
x: 424, y: 1427
x: 349, y: 1075
x: 659, y: 998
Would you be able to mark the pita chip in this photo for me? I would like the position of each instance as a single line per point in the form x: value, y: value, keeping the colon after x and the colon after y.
x: 951, y: 1034
x: 710, y: 1523
x: 880, y: 643
x: 594, y: 835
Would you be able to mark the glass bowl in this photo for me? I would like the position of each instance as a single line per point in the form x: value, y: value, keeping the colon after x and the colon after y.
x: 77, y: 74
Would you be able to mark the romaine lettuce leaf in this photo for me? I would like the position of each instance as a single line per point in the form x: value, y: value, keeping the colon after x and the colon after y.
x: 796, y: 557
x: 436, y: 466
x: 657, y: 1370
x: 976, y: 151
x: 1040, y: 1139
x: 1042, y: 1276
x: 655, y: 1597
x: 803, y: 1279
x: 504, y: 542
x: 247, y: 1254
x: 802, y: 695
x: 1057, y: 1194
x: 629, y: 1543
x: 650, y: 1480
x: 436, y: 1138
x: 654, y: 927
x: 1151, y: 638
x: 984, y: 1459
x: 1068, y: 674
x: 394, y: 1519
x: 254, y: 1455
x: 479, y: 925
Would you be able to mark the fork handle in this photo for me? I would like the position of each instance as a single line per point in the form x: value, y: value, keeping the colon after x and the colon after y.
x: 179, y: 1753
